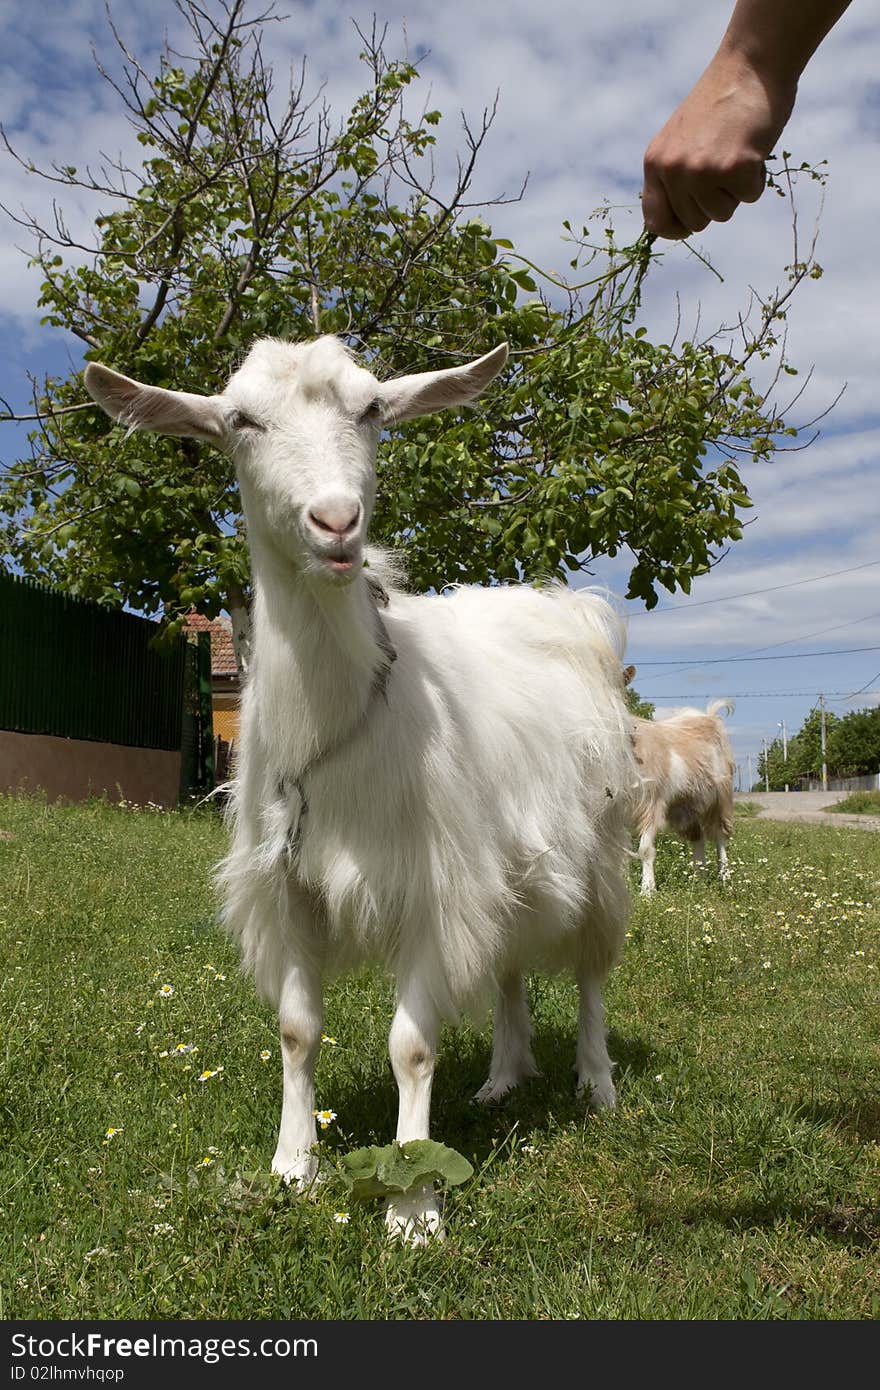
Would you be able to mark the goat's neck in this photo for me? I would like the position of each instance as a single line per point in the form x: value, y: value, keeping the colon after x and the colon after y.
x: 317, y: 658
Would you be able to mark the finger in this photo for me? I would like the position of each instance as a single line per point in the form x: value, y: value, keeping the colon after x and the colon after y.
x: 658, y: 213
x: 685, y: 208
x: 747, y: 181
x: 716, y: 204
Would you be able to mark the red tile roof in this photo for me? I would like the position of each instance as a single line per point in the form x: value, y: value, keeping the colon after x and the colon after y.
x: 222, y: 651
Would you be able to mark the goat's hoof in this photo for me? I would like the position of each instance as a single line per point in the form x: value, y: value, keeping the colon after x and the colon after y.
x: 301, y: 1174
x: 415, y: 1220
x: 599, y: 1095
x: 497, y: 1087
x: 492, y: 1091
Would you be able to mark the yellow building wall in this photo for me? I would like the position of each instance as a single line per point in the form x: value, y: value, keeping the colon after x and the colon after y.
x: 225, y: 722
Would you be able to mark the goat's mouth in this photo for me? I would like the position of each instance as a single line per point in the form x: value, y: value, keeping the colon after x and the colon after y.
x: 339, y: 564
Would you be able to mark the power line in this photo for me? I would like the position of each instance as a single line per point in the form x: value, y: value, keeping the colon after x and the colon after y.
x: 863, y: 688
x: 772, y: 646
x: 750, y: 593
x: 785, y: 656
x: 820, y: 632
x: 751, y: 695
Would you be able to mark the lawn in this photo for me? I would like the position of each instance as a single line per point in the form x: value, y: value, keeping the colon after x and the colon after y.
x: 140, y: 1097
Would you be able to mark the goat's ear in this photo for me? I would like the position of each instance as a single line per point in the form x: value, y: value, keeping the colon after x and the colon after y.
x: 629, y: 675
x: 152, y: 408
x: 424, y: 392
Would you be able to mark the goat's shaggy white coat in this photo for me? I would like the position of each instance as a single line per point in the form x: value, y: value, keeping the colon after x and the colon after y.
x: 686, y: 783
x: 436, y: 783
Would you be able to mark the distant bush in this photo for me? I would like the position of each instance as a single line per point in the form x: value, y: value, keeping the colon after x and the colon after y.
x: 859, y: 804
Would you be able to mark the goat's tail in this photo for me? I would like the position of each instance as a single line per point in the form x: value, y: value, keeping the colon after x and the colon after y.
x: 718, y: 705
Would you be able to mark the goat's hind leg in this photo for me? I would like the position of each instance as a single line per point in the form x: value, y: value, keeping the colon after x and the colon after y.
x: 604, y: 933
x: 412, y: 1046
x: 721, y: 833
x: 723, y: 863
x: 512, y: 1059
x: 698, y: 852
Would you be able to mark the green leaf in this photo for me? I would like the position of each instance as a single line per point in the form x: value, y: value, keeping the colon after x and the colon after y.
x: 394, y: 1169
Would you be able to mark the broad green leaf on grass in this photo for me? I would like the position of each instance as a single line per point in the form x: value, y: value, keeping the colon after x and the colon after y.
x: 395, y: 1168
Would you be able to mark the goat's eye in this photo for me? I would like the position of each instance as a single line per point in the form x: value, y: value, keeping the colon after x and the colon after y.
x: 240, y: 421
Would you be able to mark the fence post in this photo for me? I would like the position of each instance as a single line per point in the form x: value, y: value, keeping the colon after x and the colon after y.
x: 206, y: 713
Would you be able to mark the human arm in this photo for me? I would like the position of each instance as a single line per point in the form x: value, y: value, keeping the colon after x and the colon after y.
x: 709, y: 156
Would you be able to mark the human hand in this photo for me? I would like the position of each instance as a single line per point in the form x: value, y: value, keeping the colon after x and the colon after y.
x: 709, y: 156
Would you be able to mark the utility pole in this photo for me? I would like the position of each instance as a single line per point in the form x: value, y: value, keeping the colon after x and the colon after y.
x: 781, y: 725
x: 749, y: 788
x: 766, y: 771
x: 824, y: 763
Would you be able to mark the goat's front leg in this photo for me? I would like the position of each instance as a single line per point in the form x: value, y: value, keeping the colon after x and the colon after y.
x: 646, y: 855
x: 412, y: 1046
x: 300, y: 1016
x: 593, y: 1065
x: 698, y: 854
x: 512, y: 1059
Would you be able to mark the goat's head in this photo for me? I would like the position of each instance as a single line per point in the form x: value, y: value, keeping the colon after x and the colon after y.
x: 301, y: 423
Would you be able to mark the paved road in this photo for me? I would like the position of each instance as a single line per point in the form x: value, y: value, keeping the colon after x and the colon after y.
x: 808, y: 808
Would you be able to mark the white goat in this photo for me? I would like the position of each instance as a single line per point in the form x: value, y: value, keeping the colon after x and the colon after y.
x: 437, y: 783
x: 686, y: 783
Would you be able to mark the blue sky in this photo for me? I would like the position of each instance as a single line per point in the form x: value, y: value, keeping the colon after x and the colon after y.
x: 582, y: 88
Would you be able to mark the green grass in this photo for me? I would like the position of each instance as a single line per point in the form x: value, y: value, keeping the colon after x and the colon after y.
x: 738, y: 1177
x: 745, y: 810
x: 859, y: 804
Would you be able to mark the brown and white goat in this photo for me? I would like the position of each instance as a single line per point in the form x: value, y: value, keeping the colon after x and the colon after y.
x: 686, y: 783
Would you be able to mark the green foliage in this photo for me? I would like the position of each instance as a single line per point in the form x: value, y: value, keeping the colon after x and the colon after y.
x: 805, y: 748
x: 773, y: 765
x: 852, y: 749
x: 854, y: 745
x: 859, y: 804
x: 643, y: 709
x: 241, y: 223
x: 396, y: 1169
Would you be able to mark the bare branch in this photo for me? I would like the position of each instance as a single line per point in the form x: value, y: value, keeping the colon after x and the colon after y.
x: 54, y: 410
x: 44, y: 533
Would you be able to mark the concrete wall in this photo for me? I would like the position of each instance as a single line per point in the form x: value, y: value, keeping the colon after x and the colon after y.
x: 869, y: 783
x: 70, y: 769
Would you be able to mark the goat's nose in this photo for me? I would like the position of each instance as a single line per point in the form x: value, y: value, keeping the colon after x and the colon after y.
x: 335, y: 518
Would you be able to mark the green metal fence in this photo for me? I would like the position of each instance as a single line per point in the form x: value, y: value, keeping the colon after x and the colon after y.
x: 197, y: 732
x: 76, y: 669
